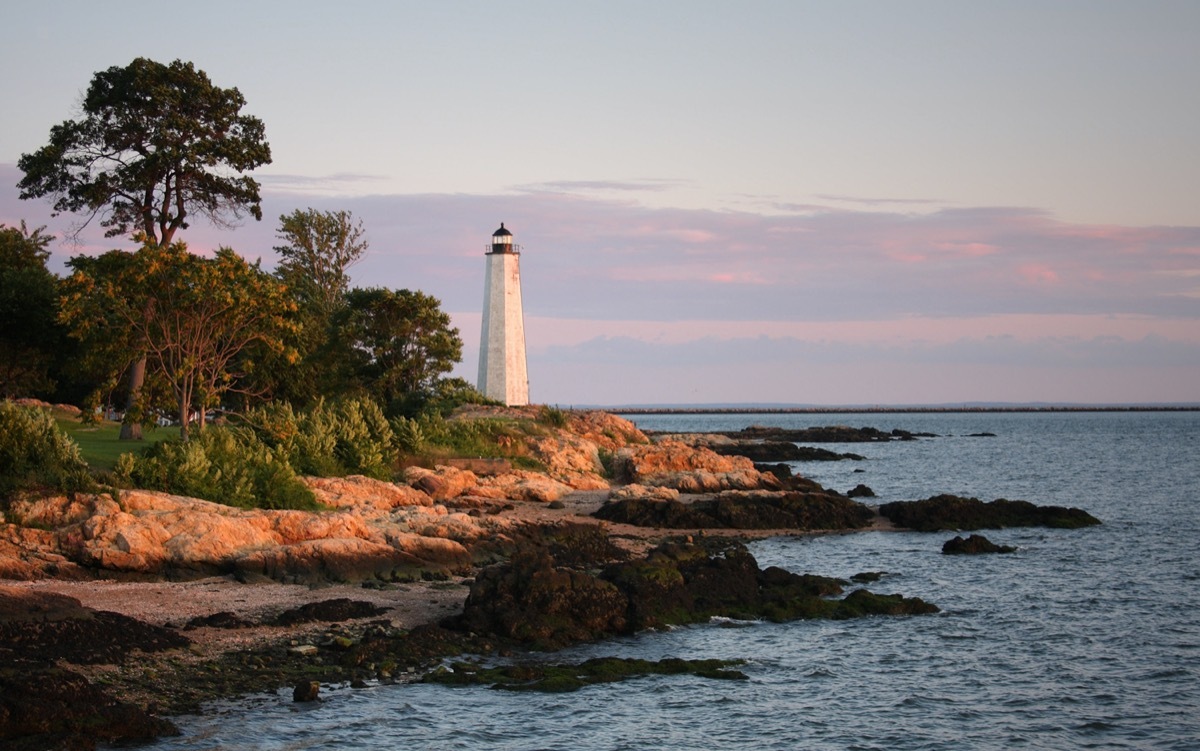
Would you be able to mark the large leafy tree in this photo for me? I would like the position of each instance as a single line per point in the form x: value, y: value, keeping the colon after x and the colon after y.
x: 401, y: 342
x: 154, y: 145
x: 317, y: 249
x: 30, y: 336
x: 195, y: 316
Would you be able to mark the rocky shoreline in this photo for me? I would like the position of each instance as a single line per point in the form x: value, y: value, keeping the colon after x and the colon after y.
x: 119, y: 610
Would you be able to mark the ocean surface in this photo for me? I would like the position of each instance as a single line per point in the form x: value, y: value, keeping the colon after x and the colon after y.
x: 1083, y: 639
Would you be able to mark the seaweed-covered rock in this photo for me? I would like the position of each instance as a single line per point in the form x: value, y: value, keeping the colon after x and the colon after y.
x: 780, y: 451
x: 534, y: 600
x: 826, y: 434
x: 741, y: 510
x: 54, y: 708
x: 328, y: 611
x: 974, y: 545
x: 949, y: 512
x: 531, y: 600
x: 45, y: 706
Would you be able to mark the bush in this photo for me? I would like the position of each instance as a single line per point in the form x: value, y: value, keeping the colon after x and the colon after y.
x: 410, y: 439
x: 442, y: 398
x: 35, y: 454
x: 329, y: 439
x: 554, y: 417
x: 223, y: 464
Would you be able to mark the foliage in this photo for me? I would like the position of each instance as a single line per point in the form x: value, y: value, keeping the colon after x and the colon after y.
x: 442, y: 397
x: 154, y: 144
x: 329, y: 439
x: 192, y: 315
x: 399, y: 342
x: 30, y: 335
x: 410, y: 437
x: 553, y: 416
x: 488, y: 437
x: 106, y: 345
x: 223, y: 464
x: 36, y: 455
x: 319, y: 247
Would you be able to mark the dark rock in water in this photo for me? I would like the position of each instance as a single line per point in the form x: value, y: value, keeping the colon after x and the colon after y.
x: 564, y: 678
x: 734, y: 510
x: 811, y: 454
x: 981, y: 435
x: 306, y: 691
x: 330, y: 611
x: 827, y: 434
x: 860, y: 491
x: 782, y: 471
x: 866, y: 577
x: 949, y: 512
x: 974, y: 545
x: 780, y: 451
x: 534, y: 600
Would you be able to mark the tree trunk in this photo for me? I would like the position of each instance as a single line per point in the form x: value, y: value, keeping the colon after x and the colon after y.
x: 132, y: 431
x: 184, y: 418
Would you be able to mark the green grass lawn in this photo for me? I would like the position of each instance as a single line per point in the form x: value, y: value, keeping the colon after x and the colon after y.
x: 100, y: 443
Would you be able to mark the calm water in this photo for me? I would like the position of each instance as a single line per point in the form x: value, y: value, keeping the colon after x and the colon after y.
x: 1082, y: 639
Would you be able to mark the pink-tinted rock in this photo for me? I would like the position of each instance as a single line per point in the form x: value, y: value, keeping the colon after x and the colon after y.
x: 359, y: 492
x: 526, y: 486
x: 442, y: 482
x: 643, y: 492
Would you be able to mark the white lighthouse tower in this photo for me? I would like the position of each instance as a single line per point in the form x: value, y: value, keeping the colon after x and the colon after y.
x: 503, y: 375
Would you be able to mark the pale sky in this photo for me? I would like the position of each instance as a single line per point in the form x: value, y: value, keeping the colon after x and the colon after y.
x: 786, y: 202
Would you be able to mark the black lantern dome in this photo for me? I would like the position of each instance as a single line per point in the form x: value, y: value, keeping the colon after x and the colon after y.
x: 502, y: 241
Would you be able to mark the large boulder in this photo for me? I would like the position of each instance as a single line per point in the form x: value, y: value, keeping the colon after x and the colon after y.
x: 363, y: 493
x: 689, y: 469
x: 974, y: 545
x: 156, y: 533
x: 522, y: 486
x: 441, y: 483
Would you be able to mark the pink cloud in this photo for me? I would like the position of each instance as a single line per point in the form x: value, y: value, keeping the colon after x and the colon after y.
x: 1038, y: 273
x: 968, y: 249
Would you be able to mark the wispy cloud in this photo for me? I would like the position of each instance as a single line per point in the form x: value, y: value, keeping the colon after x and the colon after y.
x: 342, y: 183
x: 601, y: 186
x: 997, y: 298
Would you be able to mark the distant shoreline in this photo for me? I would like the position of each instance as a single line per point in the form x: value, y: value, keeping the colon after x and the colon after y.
x: 886, y: 410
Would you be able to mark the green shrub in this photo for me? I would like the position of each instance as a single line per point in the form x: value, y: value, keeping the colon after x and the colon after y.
x: 36, y: 455
x: 553, y: 416
x: 329, y: 439
x: 227, y: 465
x: 410, y: 438
x: 366, y: 444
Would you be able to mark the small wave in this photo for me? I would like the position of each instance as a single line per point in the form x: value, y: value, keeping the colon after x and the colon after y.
x: 725, y: 622
x: 1097, y: 726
